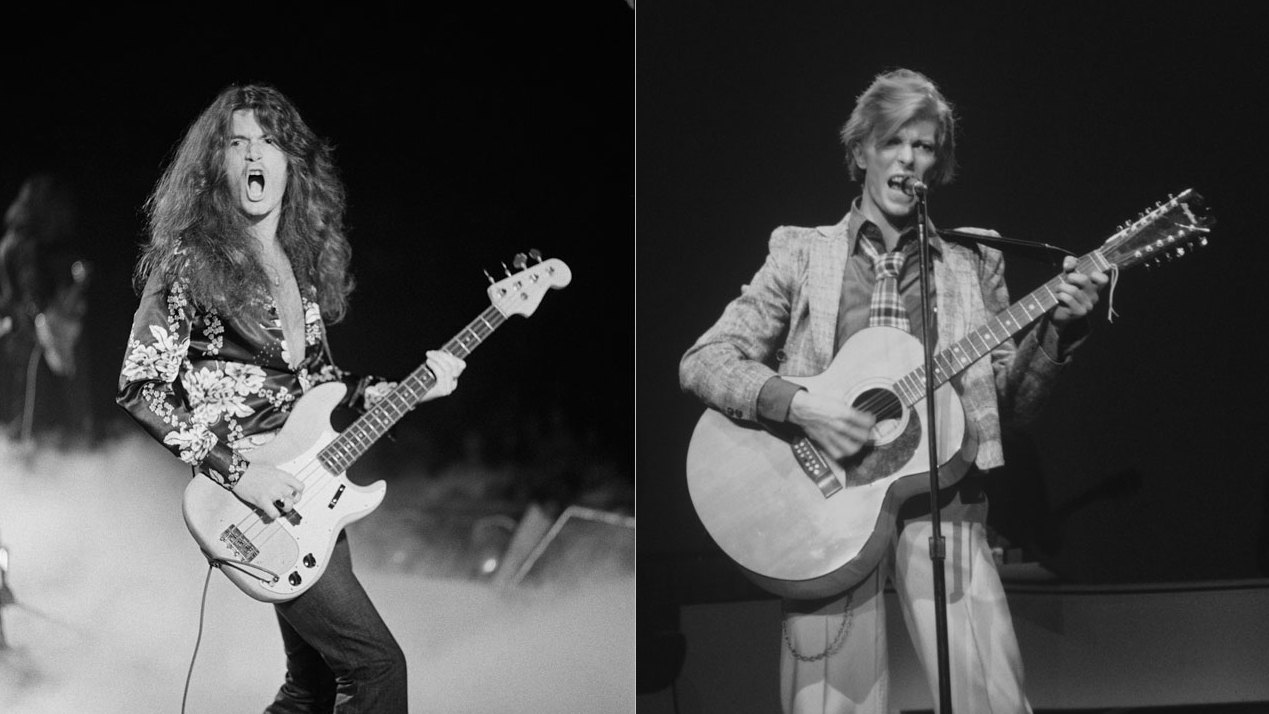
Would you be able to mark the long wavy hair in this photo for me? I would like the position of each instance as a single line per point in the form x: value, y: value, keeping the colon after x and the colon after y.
x: 199, y: 236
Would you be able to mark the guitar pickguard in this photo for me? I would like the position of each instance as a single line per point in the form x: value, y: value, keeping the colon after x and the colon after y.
x: 875, y: 462
x: 287, y: 555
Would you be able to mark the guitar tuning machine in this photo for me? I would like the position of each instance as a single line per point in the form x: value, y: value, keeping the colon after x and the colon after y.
x: 506, y: 270
x: 536, y: 255
x: 490, y: 277
x: 520, y: 261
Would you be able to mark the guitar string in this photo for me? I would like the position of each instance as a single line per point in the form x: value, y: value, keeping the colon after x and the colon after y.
x: 307, y: 471
x: 250, y: 526
x: 875, y: 404
x: 258, y: 530
x: 254, y: 527
x: 872, y: 404
x: 887, y: 404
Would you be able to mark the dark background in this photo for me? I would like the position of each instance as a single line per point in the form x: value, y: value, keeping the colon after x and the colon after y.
x: 1150, y: 462
x: 464, y: 136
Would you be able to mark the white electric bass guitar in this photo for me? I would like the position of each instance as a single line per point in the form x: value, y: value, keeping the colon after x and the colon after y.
x: 802, y: 525
x: 274, y: 560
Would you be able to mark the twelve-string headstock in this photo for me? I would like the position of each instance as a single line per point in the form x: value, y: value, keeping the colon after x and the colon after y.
x: 1162, y: 233
x: 520, y: 292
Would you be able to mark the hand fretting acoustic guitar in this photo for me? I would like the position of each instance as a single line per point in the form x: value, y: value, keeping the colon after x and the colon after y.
x: 802, y: 525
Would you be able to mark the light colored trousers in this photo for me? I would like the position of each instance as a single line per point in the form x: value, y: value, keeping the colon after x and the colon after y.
x: 985, y: 665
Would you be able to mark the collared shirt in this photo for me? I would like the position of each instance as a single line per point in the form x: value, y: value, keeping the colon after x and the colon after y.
x: 964, y: 499
x: 858, y: 280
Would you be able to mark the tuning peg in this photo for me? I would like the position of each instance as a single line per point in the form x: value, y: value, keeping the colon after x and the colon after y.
x: 520, y: 261
x: 535, y: 254
x: 487, y: 275
x: 506, y: 270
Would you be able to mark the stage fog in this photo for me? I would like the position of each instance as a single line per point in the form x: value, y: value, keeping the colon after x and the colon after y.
x: 108, y: 585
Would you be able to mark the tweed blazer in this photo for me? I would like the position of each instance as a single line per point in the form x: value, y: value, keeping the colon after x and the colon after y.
x: 785, y: 319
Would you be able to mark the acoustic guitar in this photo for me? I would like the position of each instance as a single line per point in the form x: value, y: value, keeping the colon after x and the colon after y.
x: 802, y: 525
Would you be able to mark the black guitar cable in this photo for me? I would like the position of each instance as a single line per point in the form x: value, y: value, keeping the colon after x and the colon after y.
x: 202, y: 611
x: 212, y: 563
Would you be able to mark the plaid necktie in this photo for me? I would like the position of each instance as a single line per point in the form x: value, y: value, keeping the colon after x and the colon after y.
x: 887, y: 307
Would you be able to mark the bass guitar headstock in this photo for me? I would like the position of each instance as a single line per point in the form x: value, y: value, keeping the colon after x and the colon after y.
x: 521, y: 292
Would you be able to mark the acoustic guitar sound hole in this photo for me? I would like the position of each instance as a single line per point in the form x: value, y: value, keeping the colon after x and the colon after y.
x: 885, y: 407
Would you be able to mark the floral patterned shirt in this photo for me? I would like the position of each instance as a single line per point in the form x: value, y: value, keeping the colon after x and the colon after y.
x: 199, y: 381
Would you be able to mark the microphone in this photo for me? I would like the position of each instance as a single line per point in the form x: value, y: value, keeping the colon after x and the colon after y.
x: 910, y: 185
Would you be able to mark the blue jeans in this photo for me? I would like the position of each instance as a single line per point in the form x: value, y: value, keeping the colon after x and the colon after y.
x: 340, y: 656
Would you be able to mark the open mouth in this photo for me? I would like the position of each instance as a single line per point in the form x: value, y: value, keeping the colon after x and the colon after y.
x: 255, y: 184
x: 899, y: 184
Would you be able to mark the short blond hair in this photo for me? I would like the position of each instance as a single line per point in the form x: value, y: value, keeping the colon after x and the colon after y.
x: 894, y: 99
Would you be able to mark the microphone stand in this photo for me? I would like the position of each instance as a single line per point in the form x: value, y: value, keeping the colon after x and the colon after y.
x: 938, y: 547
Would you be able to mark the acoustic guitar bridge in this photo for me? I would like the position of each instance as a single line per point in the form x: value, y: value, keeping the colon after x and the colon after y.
x: 815, y: 466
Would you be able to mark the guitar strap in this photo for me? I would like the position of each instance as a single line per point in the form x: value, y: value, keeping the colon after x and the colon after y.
x: 330, y: 358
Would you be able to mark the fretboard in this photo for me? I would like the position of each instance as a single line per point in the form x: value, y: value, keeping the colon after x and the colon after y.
x: 346, y: 448
x: 969, y: 349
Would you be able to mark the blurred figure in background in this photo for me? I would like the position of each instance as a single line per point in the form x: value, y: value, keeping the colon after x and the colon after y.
x: 43, y: 279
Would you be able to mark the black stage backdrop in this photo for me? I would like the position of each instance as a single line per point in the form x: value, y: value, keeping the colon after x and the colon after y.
x: 1150, y: 462
x: 464, y: 137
